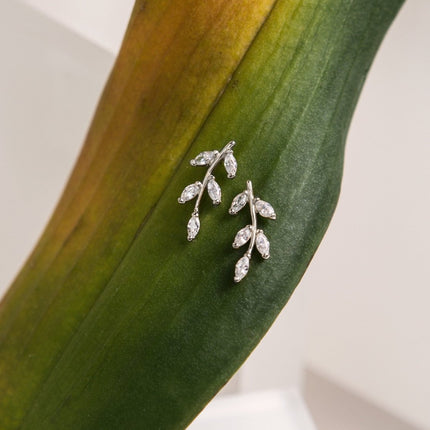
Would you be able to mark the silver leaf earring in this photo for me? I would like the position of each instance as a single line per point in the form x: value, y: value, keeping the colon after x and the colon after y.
x: 211, y: 159
x: 250, y: 232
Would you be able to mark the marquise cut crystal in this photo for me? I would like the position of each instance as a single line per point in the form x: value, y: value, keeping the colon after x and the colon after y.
x: 265, y: 209
x: 242, y: 236
x: 214, y: 191
x: 230, y: 165
x: 263, y: 245
x: 193, y: 227
x: 205, y: 158
x: 238, y: 203
x: 241, y: 269
x: 190, y: 191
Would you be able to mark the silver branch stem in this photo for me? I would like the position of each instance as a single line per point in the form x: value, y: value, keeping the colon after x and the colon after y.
x: 253, y: 219
x: 209, y: 175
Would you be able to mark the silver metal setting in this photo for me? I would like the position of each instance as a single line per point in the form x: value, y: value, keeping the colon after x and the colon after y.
x: 251, y: 233
x: 211, y: 159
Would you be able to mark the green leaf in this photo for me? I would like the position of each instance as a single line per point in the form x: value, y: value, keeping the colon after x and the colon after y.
x: 116, y: 321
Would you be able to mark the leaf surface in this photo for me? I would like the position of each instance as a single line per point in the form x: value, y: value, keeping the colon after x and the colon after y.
x: 116, y: 321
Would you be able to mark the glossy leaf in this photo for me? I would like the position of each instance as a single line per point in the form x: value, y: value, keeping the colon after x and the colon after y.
x: 116, y: 321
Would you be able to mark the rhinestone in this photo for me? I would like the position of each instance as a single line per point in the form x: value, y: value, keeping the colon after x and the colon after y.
x: 238, y: 203
x: 214, y: 191
x: 265, y: 209
x: 205, y: 158
x: 242, y: 236
x: 190, y: 192
x: 242, y: 267
x: 193, y: 227
x: 230, y: 164
x: 262, y: 244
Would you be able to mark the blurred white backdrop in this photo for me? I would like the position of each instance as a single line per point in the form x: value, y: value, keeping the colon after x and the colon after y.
x: 360, y: 314
x: 368, y: 288
x: 101, y: 22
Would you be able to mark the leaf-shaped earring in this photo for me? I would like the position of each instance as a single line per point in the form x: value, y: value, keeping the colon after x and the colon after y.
x: 250, y: 232
x: 211, y: 159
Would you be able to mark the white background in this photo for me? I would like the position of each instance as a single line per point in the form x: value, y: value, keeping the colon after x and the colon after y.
x: 368, y: 288
x: 102, y: 22
x: 366, y: 293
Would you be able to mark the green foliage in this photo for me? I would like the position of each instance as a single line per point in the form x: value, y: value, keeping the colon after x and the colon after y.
x: 117, y: 321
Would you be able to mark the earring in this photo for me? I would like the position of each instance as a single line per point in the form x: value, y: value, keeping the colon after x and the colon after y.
x: 211, y: 159
x: 250, y: 232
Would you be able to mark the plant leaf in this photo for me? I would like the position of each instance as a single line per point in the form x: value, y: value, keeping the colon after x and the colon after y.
x: 116, y: 321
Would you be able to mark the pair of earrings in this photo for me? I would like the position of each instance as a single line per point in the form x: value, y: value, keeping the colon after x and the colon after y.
x: 251, y: 233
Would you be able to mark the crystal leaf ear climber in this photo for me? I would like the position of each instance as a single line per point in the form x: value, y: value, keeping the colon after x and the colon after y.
x: 257, y: 236
x: 211, y: 159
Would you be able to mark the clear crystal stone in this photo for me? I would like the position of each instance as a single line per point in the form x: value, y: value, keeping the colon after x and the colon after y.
x: 265, y: 209
x: 190, y: 191
x: 205, y: 158
x: 263, y: 245
x: 193, y: 227
x: 238, y: 203
x: 242, y: 236
x: 242, y: 267
x: 214, y: 191
x: 230, y: 164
